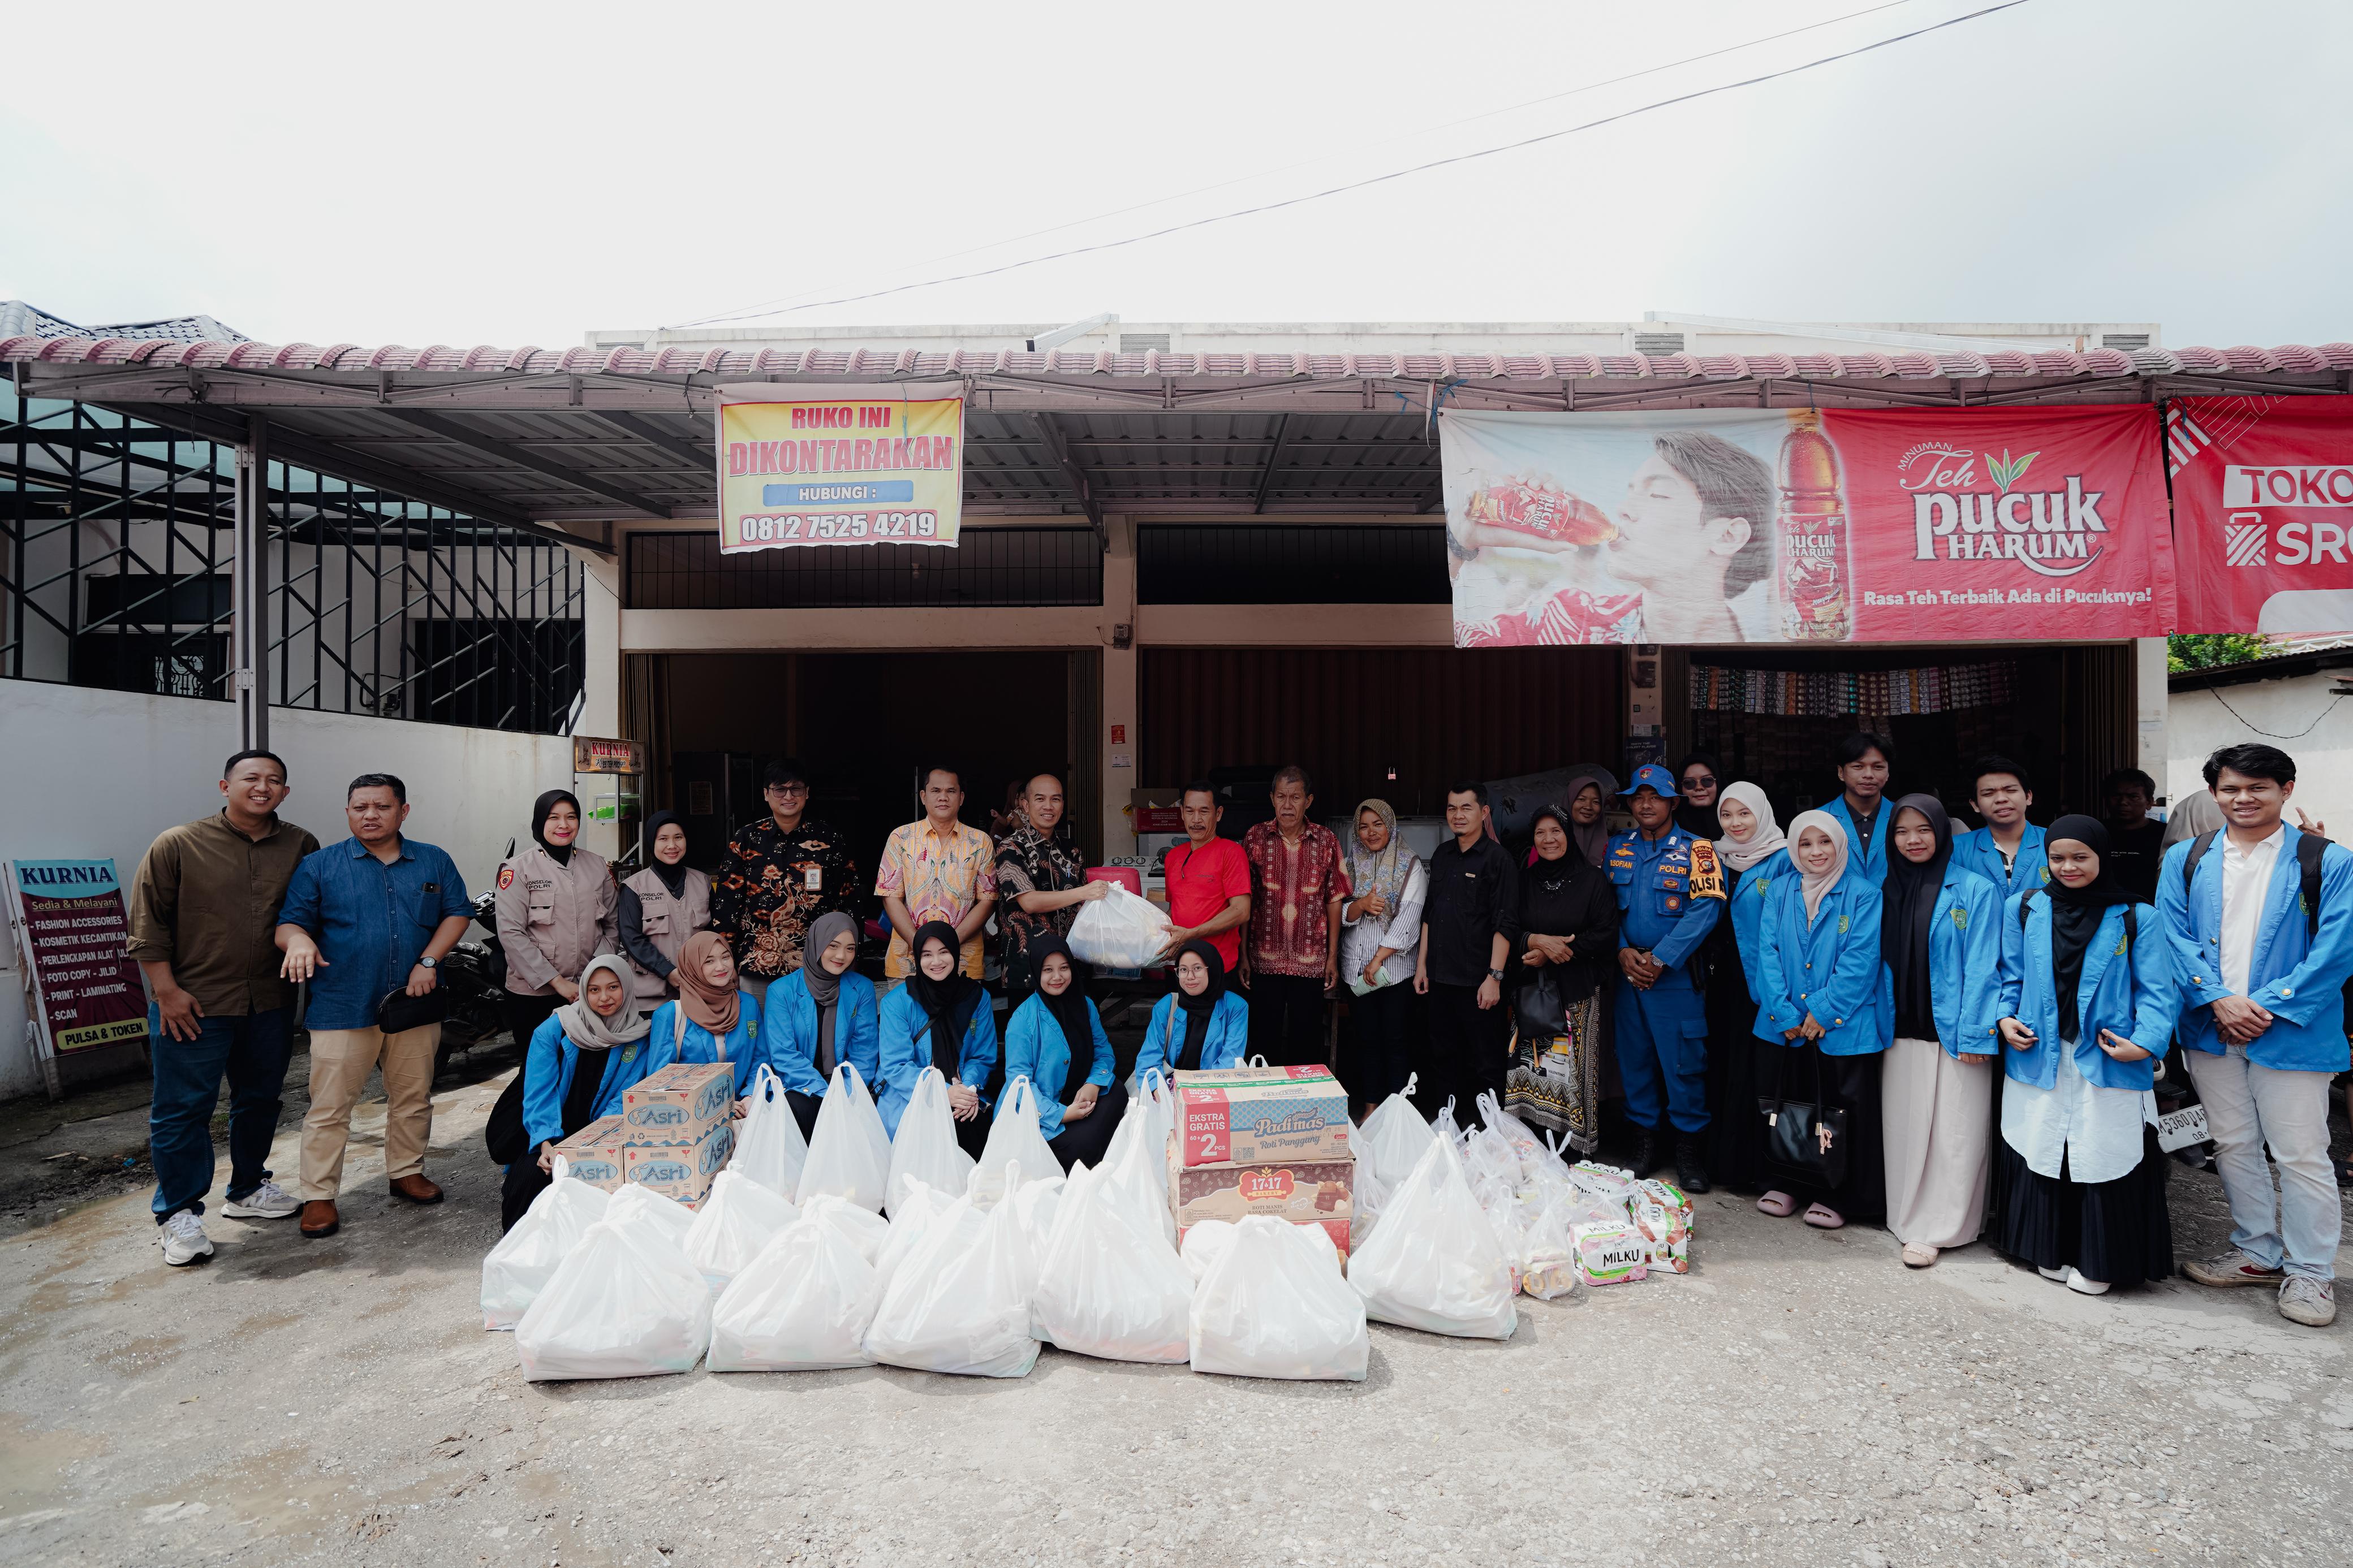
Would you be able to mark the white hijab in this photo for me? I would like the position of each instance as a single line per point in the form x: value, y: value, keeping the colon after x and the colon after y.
x: 1762, y: 841
x: 1816, y: 888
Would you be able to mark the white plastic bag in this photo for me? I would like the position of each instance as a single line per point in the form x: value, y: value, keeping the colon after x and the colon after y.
x: 925, y: 1148
x: 911, y: 1216
x: 1272, y: 1305
x: 734, y: 1224
x: 1370, y: 1195
x: 1205, y: 1243
x: 860, y: 1226
x: 1434, y: 1262
x: 640, y: 1209
x: 1443, y: 1124
x: 1119, y: 930
x: 1394, y: 1137
x: 1013, y: 1139
x: 956, y: 1305
x: 1136, y: 1183
x: 769, y: 1148
x: 1108, y: 1288
x: 803, y: 1305
x: 622, y: 1304
x: 850, y: 1155
x: 1548, y: 1255
x: 519, y: 1267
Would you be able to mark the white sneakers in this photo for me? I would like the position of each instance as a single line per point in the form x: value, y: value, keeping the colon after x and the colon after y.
x: 267, y: 1201
x: 184, y: 1238
x: 2073, y: 1278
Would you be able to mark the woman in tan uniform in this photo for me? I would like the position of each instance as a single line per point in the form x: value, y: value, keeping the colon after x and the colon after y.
x: 557, y: 909
x: 660, y: 907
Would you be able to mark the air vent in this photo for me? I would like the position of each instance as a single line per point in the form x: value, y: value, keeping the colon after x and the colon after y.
x: 1142, y: 342
x: 2123, y: 340
x: 1658, y: 345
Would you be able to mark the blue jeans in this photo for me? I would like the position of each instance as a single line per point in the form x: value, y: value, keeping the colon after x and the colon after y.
x: 252, y: 1053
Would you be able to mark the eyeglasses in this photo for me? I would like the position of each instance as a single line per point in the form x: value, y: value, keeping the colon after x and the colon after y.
x: 1704, y: 781
x: 788, y: 789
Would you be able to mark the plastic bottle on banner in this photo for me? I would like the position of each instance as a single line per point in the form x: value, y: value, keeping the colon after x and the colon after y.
x: 1817, y: 578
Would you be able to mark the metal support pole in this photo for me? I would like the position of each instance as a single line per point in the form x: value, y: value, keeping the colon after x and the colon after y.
x: 251, y: 588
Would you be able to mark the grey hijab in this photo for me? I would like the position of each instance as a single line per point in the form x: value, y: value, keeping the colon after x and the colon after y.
x: 585, y: 1029
x: 1593, y: 839
x: 823, y: 987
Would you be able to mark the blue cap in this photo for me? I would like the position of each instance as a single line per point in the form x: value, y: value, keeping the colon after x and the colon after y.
x: 1657, y: 777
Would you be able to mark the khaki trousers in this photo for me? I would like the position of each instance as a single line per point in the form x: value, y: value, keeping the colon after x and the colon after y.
x: 341, y: 1060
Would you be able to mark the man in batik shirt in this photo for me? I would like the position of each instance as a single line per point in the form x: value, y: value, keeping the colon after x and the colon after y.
x: 1039, y: 882
x: 779, y: 874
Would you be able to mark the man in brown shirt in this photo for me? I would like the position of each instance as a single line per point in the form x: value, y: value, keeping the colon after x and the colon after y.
x: 204, y: 919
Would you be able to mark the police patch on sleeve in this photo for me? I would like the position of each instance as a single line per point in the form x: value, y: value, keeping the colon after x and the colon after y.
x: 1706, y: 874
x: 506, y: 877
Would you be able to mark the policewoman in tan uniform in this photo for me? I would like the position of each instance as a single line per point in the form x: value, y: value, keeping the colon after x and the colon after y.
x: 661, y: 906
x: 557, y: 909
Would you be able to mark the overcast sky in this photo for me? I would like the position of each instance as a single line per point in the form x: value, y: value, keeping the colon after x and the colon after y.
x: 465, y: 174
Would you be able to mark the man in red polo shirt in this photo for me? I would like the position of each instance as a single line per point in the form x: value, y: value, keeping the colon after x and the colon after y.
x: 1208, y: 879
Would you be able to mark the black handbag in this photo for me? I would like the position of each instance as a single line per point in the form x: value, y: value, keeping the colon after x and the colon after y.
x: 1793, y: 1128
x: 400, y: 1012
x: 1543, y: 1015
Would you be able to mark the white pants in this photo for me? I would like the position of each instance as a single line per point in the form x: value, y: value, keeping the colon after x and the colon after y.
x: 2249, y: 1107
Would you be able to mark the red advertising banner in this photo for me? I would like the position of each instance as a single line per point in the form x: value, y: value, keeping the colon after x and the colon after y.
x: 2262, y: 503
x: 1802, y: 526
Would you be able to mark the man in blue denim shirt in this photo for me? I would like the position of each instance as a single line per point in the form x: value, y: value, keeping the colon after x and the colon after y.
x: 369, y: 916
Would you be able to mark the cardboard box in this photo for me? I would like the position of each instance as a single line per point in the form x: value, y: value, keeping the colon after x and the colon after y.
x: 679, y: 1104
x: 1337, y: 1229
x: 681, y: 1171
x: 1302, y: 1193
x: 1300, y: 1115
x: 595, y: 1153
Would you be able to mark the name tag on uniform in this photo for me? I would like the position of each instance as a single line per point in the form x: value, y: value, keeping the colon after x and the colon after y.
x: 813, y: 879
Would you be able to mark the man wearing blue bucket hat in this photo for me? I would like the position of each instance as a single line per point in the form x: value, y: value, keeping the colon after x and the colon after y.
x: 1670, y: 896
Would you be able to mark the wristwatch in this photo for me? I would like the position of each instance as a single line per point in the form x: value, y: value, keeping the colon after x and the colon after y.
x: 1494, y: 974
x: 429, y: 963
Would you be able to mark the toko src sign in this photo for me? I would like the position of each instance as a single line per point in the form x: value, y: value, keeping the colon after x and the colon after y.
x: 2262, y: 495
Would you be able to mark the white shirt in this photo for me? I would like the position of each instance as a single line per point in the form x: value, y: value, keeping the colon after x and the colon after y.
x: 2095, y: 1131
x: 2246, y: 881
x: 1359, y: 940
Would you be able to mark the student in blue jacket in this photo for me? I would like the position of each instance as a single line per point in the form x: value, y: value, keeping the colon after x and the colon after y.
x: 2087, y: 1004
x: 1199, y: 1024
x: 713, y: 1019
x: 2009, y: 851
x: 1819, y: 998
x: 579, y: 1060
x: 1940, y: 951
x: 940, y: 1017
x: 1755, y: 855
x: 1056, y: 1040
x: 821, y: 1014
x: 1863, y: 762
x: 2263, y: 1024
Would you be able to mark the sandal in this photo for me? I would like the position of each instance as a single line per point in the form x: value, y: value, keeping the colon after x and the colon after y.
x: 1822, y: 1217
x: 1779, y: 1205
x: 1918, y: 1255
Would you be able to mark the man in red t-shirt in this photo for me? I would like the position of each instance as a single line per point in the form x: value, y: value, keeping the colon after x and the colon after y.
x: 1209, y: 880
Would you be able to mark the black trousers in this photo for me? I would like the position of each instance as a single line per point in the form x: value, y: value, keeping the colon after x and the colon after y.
x: 1286, y: 1019
x: 524, y: 1015
x: 804, y: 1110
x: 1381, y: 1055
x: 1470, y: 1047
x: 524, y: 1181
x: 1084, y: 1143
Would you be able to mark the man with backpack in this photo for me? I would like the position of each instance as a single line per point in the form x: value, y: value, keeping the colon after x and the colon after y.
x: 2260, y: 915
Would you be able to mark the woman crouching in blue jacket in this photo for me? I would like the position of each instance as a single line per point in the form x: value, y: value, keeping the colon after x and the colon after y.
x: 1056, y: 1040
x: 714, y: 1019
x: 821, y: 1014
x: 580, y: 1059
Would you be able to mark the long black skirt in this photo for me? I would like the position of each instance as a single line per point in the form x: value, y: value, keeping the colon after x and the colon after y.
x: 1084, y: 1142
x: 1846, y: 1083
x: 2119, y: 1232
x: 1737, y: 1063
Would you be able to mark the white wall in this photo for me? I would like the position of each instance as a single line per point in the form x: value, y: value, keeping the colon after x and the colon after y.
x: 91, y: 774
x: 2277, y: 713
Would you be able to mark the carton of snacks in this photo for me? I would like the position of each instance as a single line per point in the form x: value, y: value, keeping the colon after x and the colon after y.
x: 1300, y: 1193
x: 1606, y: 1254
x: 594, y: 1153
x: 681, y: 1171
x: 1337, y: 1230
x: 679, y: 1104
x: 1605, y: 1180
x: 1667, y: 1194
x: 1666, y: 1238
x: 1302, y: 1115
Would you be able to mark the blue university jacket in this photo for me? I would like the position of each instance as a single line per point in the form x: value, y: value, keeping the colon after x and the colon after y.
x: 547, y: 1068
x: 788, y: 1031
x: 741, y: 1049
x: 2134, y: 997
x: 1964, y: 967
x: 1746, y: 909
x: 1035, y: 1049
x: 1976, y: 851
x: 904, y: 1057
x: 1829, y: 968
x: 1225, y: 1044
x: 2297, y: 976
x: 1870, y: 859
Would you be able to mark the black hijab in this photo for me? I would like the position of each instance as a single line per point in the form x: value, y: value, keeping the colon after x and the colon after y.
x: 948, y: 1005
x: 1198, y: 1010
x: 2075, y: 914
x: 672, y: 877
x: 1069, y: 1010
x: 1911, y: 891
x: 559, y: 853
x: 1700, y: 821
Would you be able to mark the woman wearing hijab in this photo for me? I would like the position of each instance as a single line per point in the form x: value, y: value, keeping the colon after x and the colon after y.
x: 1200, y: 1023
x: 1940, y: 951
x: 557, y: 908
x: 1698, y: 778
x: 822, y: 1012
x: 660, y: 906
x: 2087, y: 1002
x: 580, y: 1059
x: 1819, y: 987
x: 1380, y: 928
x: 1590, y: 789
x: 714, y: 1019
x: 940, y: 1017
x: 1755, y: 857
x: 1568, y: 946
x: 1056, y: 1040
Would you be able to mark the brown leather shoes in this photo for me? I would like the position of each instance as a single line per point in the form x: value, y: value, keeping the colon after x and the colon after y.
x: 415, y: 1190
x: 320, y: 1220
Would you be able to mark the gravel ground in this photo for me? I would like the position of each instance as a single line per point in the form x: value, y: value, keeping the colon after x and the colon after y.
x: 1799, y: 1397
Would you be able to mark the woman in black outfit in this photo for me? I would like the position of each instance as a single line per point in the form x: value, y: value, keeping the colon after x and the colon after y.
x: 1569, y: 922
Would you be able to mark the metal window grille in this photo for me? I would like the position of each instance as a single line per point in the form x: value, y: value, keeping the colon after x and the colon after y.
x: 988, y: 566
x: 117, y: 541
x: 1291, y: 564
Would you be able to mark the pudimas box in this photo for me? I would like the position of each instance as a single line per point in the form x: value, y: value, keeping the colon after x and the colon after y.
x: 1258, y: 1116
x: 679, y: 1104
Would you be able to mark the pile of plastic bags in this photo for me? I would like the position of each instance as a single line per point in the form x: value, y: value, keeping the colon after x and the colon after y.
x: 519, y: 1267
x: 625, y: 1302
